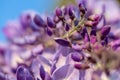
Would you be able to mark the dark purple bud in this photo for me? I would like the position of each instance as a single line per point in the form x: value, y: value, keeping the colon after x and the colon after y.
x: 83, y: 32
x: 76, y: 22
x: 77, y: 57
x: 82, y: 9
x: 50, y: 22
x: 59, y: 13
x: 81, y: 66
x: 39, y: 21
x: 49, y: 31
x: 24, y: 74
x: 42, y: 72
x: 105, y: 30
x: 67, y: 27
x: 63, y: 42
x: 93, y: 32
x: 71, y: 13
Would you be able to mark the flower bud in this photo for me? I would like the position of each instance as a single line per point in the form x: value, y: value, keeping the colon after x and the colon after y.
x: 82, y: 9
x: 59, y: 13
x: 76, y: 22
x: 39, y: 21
x: 71, y: 13
x: 50, y: 22
x: 105, y: 31
x: 63, y: 42
x: 49, y: 31
x: 67, y: 27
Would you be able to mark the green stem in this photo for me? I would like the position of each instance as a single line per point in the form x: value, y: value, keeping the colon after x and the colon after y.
x: 70, y: 32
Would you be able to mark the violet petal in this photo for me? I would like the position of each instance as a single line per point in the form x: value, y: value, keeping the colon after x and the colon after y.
x: 48, y: 77
x: 42, y: 72
x: 61, y: 72
x: 77, y: 57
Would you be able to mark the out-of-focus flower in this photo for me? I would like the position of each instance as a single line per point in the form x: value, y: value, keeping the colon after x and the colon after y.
x: 70, y: 44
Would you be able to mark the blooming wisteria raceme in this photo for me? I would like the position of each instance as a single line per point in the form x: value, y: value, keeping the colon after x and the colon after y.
x: 70, y: 44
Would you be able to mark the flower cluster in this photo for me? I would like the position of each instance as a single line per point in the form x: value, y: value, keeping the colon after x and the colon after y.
x: 69, y: 44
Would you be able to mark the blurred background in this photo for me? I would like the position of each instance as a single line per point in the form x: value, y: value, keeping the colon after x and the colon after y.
x: 11, y: 9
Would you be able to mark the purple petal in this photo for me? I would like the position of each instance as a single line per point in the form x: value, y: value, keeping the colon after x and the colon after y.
x: 53, y: 67
x: 43, y: 59
x: 48, y: 77
x: 42, y: 72
x: 63, y: 42
x: 77, y: 56
x: 61, y: 72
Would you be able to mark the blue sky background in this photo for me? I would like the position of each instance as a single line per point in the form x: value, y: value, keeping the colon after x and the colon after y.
x: 10, y: 9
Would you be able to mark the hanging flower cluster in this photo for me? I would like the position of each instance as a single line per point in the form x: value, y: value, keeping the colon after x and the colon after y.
x: 70, y: 44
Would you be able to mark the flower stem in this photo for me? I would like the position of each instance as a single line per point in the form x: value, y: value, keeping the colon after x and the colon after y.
x: 70, y: 32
